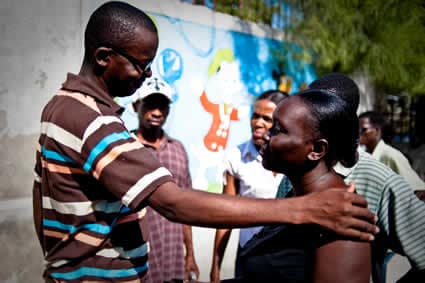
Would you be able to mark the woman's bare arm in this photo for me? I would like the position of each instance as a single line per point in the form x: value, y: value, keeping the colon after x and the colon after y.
x: 343, y: 261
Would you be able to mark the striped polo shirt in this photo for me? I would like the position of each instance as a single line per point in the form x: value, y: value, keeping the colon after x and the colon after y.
x: 401, y: 215
x: 93, y: 177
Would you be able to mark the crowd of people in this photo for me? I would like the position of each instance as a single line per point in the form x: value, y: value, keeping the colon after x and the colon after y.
x: 117, y: 206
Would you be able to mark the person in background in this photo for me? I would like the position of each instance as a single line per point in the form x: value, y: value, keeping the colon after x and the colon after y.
x: 372, y: 125
x: 167, y: 259
x: 390, y: 196
x: 246, y: 176
x: 94, y: 179
x: 312, y: 130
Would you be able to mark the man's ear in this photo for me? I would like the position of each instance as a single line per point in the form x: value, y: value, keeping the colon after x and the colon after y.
x: 320, y: 148
x: 379, y: 133
x: 102, y: 56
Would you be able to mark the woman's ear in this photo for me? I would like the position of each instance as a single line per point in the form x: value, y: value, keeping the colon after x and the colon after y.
x: 320, y: 148
x: 102, y: 56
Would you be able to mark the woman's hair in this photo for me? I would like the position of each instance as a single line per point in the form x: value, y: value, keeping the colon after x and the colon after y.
x: 341, y: 85
x: 272, y: 95
x: 332, y: 120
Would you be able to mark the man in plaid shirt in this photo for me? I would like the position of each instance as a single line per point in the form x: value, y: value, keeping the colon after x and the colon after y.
x: 167, y: 259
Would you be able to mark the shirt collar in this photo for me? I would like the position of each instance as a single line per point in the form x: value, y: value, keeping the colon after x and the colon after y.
x: 250, y: 152
x: 164, y: 141
x: 345, y: 171
x: 379, y: 148
x: 78, y: 83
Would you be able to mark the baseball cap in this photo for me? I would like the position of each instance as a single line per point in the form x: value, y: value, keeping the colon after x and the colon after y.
x: 153, y: 85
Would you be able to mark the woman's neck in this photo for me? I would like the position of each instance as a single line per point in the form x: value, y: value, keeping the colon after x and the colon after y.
x: 320, y: 178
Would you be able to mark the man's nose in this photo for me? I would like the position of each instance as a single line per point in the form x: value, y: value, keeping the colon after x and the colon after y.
x: 260, y: 122
x: 157, y: 112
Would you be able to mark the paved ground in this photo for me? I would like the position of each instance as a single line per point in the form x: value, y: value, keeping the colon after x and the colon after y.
x: 22, y: 259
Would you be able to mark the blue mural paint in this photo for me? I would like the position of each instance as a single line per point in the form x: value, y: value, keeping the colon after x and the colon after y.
x: 220, y: 68
x: 170, y: 66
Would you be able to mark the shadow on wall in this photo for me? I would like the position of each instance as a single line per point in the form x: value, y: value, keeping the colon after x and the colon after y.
x: 16, y: 168
x: 20, y: 250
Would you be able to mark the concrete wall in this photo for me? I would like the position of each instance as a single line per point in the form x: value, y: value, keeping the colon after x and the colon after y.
x: 40, y: 40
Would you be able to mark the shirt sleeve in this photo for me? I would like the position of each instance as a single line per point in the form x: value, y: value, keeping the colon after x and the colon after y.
x: 106, y: 150
x: 231, y: 160
x: 402, y: 218
x: 410, y: 174
x: 187, y: 179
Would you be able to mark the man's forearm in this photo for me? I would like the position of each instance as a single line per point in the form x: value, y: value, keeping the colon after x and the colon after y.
x: 222, y: 211
x: 335, y: 209
x: 187, y: 238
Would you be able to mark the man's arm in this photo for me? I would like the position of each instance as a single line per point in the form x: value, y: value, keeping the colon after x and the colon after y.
x: 190, y: 262
x: 405, y: 212
x: 338, y: 210
x: 222, y: 235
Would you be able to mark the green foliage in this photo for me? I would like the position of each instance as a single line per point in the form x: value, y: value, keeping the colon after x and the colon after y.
x: 383, y: 38
x: 257, y: 11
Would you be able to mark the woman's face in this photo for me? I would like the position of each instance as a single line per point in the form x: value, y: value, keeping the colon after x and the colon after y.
x: 291, y: 137
x: 261, y: 120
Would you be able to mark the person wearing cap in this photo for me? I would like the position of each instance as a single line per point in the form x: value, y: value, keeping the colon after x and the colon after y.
x: 167, y: 259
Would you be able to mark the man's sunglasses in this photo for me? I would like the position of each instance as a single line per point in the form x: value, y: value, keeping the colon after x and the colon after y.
x: 143, y: 68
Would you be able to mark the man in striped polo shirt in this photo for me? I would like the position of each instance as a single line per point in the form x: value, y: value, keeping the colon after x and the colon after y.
x: 93, y: 179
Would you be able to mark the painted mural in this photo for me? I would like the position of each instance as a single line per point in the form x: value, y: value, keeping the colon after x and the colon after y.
x: 215, y: 74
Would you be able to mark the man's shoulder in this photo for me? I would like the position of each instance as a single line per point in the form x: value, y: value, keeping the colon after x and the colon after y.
x: 367, y: 165
x: 237, y: 151
x: 175, y: 142
x: 74, y: 112
x: 391, y: 150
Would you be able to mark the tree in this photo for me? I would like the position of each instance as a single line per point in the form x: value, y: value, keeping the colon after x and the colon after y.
x: 385, y: 39
x: 259, y: 11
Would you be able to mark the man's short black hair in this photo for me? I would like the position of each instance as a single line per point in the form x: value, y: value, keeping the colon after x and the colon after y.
x: 341, y: 85
x: 376, y: 119
x: 113, y: 25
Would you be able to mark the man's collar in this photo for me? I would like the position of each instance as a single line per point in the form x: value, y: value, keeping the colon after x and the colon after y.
x: 78, y: 83
x: 379, y: 148
x: 164, y: 140
x: 250, y: 152
x: 342, y: 170
x: 345, y: 171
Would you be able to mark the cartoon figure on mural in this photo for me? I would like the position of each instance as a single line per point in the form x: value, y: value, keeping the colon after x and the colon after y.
x: 222, y: 94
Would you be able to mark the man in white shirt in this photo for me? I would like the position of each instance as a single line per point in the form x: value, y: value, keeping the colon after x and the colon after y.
x: 371, y: 125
